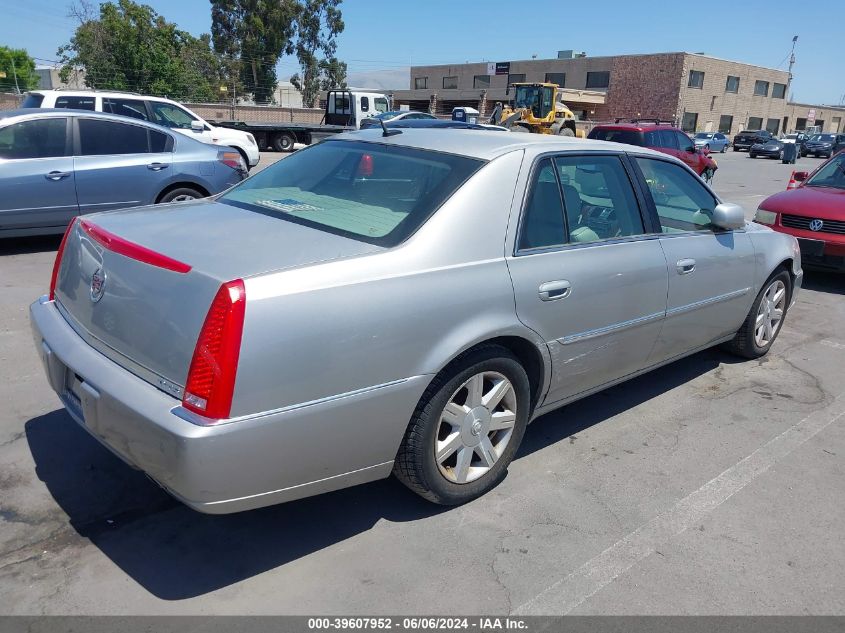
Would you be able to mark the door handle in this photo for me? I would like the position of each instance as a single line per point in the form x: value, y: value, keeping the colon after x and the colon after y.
x: 685, y: 266
x: 57, y: 175
x: 157, y: 166
x: 553, y: 290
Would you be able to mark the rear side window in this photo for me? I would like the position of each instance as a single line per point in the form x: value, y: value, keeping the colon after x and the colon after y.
x: 668, y: 139
x: 76, y: 103
x: 32, y: 101
x: 101, y: 138
x: 133, y: 108
x: 45, y: 138
x: 542, y: 220
x: 364, y: 191
x: 159, y: 142
x: 629, y: 137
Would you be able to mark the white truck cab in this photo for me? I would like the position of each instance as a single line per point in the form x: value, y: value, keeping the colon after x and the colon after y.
x: 350, y: 107
x: 154, y: 109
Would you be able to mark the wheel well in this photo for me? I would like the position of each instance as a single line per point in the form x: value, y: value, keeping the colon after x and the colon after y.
x: 179, y: 185
x: 528, y: 356
x: 242, y: 153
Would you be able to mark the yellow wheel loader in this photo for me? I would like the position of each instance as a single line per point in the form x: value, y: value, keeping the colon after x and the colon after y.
x: 537, y: 108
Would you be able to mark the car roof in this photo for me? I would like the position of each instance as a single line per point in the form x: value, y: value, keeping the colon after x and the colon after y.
x: 639, y: 127
x: 38, y: 113
x: 482, y: 144
x: 93, y: 93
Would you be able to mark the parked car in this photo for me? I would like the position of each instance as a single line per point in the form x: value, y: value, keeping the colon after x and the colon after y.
x: 814, y: 212
x: 661, y: 137
x: 712, y: 141
x: 824, y: 145
x: 772, y: 148
x: 154, y: 109
x: 438, y: 124
x: 395, y: 116
x: 402, y: 303
x: 745, y: 139
x: 58, y: 164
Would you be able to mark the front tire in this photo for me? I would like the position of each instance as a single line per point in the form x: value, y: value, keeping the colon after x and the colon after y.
x: 763, y: 323
x: 466, y: 428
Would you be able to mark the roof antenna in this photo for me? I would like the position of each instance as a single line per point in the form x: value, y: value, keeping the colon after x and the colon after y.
x: 386, y: 132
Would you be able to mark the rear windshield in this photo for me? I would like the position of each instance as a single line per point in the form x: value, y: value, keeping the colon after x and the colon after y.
x: 32, y: 101
x: 373, y: 193
x: 629, y: 137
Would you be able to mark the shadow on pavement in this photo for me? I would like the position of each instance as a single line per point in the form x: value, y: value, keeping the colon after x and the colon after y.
x: 24, y: 245
x: 821, y: 281
x: 176, y: 553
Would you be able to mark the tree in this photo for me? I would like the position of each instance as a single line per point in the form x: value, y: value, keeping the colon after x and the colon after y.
x: 319, y: 22
x: 251, y: 35
x: 128, y: 46
x: 16, y: 63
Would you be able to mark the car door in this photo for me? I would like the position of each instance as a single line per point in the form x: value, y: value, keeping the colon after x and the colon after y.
x: 119, y: 164
x: 588, y: 276
x: 711, y: 271
x: 36, y: 175
x: 687, y: 152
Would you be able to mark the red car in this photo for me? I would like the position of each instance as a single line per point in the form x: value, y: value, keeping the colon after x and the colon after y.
x: 661, y: 137
x: 814, y: 212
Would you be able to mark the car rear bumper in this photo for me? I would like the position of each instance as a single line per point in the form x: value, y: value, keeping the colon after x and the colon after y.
x: 228, y: 467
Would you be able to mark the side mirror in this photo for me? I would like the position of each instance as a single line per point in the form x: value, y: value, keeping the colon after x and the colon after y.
x: 197, y: 126
x: 691, y: 149
x: 799, y: 176
x: 728, y: 216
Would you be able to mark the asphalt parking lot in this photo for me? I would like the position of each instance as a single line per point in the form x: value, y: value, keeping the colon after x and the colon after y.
x: 710, y: 486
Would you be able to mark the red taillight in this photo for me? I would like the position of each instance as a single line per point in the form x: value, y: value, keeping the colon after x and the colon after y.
x: 123, y: 246
x: 58, y: 263
x: 211, y: 378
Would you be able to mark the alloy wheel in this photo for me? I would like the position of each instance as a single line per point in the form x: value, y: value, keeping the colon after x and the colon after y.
x: 770, y: 313
x: 184, y: 197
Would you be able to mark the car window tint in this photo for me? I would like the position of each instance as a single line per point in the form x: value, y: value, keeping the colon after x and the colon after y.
x: 365, y: 104
x: 629, y: 137
x: 542, y: 219
x: 76, y: 103
x: 652, y: 139
x: 682, y: 201
x: 171, y: 116
x: 667, y: 139
x: 684, y: 142
x: 99, y: 138
x: 159, y: 142
x: 133, y: 108
x: 45, y: 138
x: 598, y: 197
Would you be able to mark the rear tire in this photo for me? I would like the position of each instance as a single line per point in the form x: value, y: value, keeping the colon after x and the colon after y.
x: 754, y: 338
x: 565, y: 131
x: 750, y: 155
x: 724, y: 148
x: 466, y: 428
x: 181, y: 194
x: 284, y: 142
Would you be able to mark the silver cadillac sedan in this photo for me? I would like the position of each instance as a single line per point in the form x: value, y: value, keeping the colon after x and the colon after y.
x: 400, y: 301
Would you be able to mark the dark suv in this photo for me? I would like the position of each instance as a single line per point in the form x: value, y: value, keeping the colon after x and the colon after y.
x: 824, y: 145
x: 661, y: 137
x: 745, y: 139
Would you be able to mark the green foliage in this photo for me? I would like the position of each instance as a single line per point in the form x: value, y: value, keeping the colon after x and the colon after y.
x: 128, y: 46
x: 319, y: 22
x: 251, y: 35
x: 17, y: 62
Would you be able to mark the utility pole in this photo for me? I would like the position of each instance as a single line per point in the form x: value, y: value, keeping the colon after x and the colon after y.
x: 15, y: 73
x: 791, y: 63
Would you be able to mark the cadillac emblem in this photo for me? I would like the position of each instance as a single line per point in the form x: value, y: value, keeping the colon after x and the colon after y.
x: 98, y: 284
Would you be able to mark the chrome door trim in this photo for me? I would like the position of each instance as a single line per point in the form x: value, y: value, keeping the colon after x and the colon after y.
x: 610, y: 329
x: 706, y: 302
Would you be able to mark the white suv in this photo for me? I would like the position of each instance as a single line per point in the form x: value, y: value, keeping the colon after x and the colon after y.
x: 154, y: 109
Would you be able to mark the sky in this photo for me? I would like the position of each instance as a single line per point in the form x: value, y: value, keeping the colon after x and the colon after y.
x: 389, y: 35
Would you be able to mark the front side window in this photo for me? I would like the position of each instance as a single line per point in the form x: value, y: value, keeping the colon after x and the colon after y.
x: 696, y: 79
x: 45, y: 138
x: 171, y: 116
x: 761, y: 88
x: 683, y: 203
x: 364, y: 191
x: 542, y: 219
x: 99, y: 137
x: 668, y: 139
x: 381, y: 104
x: 133, y: 108
x: 598, y: 198
x: 76, y: 103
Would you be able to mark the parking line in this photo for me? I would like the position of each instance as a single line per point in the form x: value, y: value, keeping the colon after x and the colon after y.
x: 569, y: 592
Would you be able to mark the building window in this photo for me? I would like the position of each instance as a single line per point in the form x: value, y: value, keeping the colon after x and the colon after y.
x: 800, y: 124
x: 481, y: 81
x: 773, y: 125
x: 598, y: 79
x: 726, y: 122
x: 450, y: 83
x: 420, y: 83
x: 556, y: 78
x: 732, y: 84
x: 761, y: 88
x: 755, y: 123
x: 779, y: 91
x: 689, y: 122
x: 516, y: 78
x: 696, y: 79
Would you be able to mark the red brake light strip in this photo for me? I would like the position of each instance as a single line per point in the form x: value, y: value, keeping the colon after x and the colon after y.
x: 123, y: 246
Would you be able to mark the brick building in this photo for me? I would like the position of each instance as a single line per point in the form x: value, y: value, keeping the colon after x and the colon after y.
x: 697, y: 92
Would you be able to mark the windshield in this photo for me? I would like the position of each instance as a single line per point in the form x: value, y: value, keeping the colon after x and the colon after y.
x: 703, y: 135
x: 536, y: 98
x: 386, y: 116
x: 824, y: 138
x: 830, y: 175
x: 32, y: 100
x: 368, y: 192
